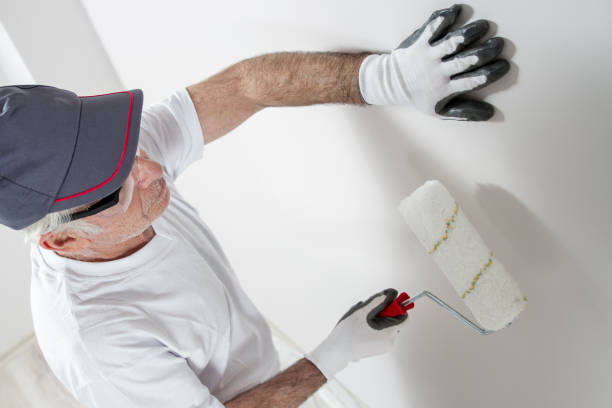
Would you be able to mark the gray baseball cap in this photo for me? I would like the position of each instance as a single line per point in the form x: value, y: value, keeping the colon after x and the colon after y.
x: 59, y: 150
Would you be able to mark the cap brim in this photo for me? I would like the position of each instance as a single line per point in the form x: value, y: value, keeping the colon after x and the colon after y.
x: 106, y: 146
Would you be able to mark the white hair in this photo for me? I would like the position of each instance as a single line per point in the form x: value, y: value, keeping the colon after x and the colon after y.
x: 58, y: 222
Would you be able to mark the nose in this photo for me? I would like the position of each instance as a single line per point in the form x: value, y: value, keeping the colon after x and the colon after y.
x: 147, y: 171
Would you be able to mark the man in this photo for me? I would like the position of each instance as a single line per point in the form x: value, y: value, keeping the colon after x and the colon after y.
x: 133, y: 300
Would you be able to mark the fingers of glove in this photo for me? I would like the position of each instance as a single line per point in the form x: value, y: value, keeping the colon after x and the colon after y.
x: 474, y: 57
x: 439, y: 22
x: 435, y: 26
x: 379, y: 323
x: 352, y: 310
x: 461, y: 38
x: 380, y: 299
x: 466, y: 109
x: 458, y: 65
x: 480, y: 77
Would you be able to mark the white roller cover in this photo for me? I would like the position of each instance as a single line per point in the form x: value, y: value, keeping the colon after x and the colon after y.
x: 488, y: 290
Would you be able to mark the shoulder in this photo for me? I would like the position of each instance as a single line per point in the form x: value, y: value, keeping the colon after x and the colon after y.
x: 171, y: 134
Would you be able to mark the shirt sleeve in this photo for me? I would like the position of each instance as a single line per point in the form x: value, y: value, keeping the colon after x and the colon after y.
x: 171, y: 134
x: 130, y: 368
x: 157, y: 379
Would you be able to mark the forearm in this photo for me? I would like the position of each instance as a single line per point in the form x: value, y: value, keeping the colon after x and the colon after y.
x: 220, y: 102
x: 302, y: 78
x: 288, y: 389
x: 231, y: 96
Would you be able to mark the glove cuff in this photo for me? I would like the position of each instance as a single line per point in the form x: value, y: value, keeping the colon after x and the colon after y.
x: 328, y: 362
x: 379, y: 83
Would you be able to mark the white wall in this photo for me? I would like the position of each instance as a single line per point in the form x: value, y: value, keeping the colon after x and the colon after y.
x: 304, y: 200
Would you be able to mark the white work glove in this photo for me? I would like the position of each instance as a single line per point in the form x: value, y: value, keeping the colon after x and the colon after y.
x: 428, y: 71
x: 359, y: 334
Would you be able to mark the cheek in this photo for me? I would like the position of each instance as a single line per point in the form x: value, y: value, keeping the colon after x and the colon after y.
x: 126, y: 221
x: 134, y: 211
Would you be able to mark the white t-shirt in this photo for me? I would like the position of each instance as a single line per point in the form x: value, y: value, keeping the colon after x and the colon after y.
x: 168, y: 326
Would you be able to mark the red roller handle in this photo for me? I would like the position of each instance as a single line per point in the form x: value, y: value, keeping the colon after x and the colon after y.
x: 396, y: 308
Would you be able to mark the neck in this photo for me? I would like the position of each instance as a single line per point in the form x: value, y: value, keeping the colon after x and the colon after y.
x: 116, y: 251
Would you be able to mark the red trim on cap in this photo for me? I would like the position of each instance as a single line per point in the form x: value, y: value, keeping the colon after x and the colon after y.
x: 127, y: 136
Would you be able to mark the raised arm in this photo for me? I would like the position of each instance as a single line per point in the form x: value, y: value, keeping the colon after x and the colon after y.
x: 430, y: 70
x: 230, y: 97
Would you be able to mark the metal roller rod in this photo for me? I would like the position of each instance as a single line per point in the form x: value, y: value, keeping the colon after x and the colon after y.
x: 450, y: 309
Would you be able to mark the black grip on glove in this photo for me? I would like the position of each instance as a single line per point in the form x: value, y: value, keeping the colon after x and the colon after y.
x: 374, y: 321
x: 450, y: 15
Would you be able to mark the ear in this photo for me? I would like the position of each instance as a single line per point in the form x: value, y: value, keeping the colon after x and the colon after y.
x: 65, y: 241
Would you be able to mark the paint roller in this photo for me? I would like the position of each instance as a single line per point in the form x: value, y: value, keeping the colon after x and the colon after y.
x: 492, y: 295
